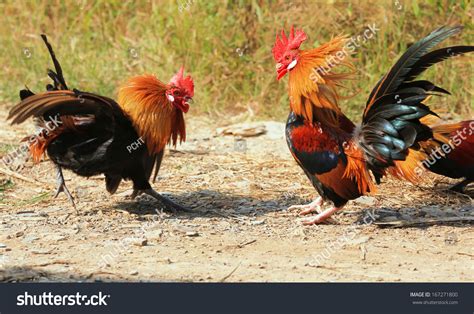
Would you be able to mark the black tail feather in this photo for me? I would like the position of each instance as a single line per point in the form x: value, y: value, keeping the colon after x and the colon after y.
x: 434, y: 57
x: 57, y: 77
x: 25, y: 93
x: 413, y: 62
x: 392, y: 118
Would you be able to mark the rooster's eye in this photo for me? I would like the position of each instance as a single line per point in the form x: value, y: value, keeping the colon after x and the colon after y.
x: 176, y: 93
x: 287, y: 57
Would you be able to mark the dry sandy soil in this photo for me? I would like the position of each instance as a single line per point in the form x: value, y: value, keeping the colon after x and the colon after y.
x: 239, y: 230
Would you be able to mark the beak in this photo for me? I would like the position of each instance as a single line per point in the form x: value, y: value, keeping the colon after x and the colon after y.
x: 184, y: 106
x: 281, y: 72
x: 189, y: 101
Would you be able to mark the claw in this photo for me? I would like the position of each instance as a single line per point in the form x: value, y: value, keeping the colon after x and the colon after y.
x: 461, y: 186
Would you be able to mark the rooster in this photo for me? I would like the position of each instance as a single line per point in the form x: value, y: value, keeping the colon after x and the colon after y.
x: 456, y: 158
x: 340, y: 159
x: 94, y: 134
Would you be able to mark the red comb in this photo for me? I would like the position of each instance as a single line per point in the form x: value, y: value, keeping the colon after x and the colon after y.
x: 283, y: 44
x: 185, y: 83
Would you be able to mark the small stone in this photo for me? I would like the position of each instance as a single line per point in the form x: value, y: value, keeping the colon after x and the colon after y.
x: 257, y: 222
x: 19, y: 234
x: 133, y: 273
x: 139, y: 242
x: 30, y: 238
x: 2, y: 246
x: 192, y: 234
x: 41, y: 251
x: 366, y: 200
x: 54, y: 237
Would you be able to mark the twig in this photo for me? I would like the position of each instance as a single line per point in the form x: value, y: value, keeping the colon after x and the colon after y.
x: 21, y: 177
x: 230, y: 274
x: 428, y: 221
x: 193, y: 152
x: 363, y: 251
x: 463, y: 253
x: 247, y: 243
x: 61, y: 262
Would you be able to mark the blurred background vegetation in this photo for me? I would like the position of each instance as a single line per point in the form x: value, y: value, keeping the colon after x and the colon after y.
x: 225, y: 45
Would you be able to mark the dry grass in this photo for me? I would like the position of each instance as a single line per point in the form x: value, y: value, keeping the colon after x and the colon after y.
x: 224, y: 44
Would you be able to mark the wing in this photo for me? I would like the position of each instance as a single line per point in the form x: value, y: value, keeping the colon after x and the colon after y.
x: 93, y: 118
x: 322, y: 157
x: 66, y: 103
x: 392, y: 125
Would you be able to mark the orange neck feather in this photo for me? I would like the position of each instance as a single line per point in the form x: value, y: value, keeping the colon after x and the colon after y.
x: 313, y: 83
x: 156, y: 120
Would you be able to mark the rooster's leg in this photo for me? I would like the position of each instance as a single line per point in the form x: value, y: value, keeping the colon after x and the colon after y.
x: 62, y: 186
x: 325, y: 215
x: 169, y: 204
x: 314, y: 206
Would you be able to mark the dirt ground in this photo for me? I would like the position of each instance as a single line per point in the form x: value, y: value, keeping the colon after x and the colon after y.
x: 240, y: 228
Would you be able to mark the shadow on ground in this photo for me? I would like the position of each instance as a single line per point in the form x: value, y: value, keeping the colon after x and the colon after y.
x: 420, y: 213
x: 211, y: 203
x: 36, y: 274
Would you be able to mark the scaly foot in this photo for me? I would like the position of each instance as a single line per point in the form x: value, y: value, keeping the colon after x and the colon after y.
x: 314, y: 206
x: 166, y: 202
x: 61, y: 186
x: 322, y: 217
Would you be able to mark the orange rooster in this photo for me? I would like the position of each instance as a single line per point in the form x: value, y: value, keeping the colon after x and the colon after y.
x: 340, y: 159
x: 96, y: 135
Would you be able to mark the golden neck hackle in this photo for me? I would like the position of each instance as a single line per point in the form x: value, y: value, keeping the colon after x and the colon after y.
x: 156, y: 120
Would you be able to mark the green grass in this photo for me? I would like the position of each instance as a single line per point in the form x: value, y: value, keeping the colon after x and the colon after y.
x: 225, y: 45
